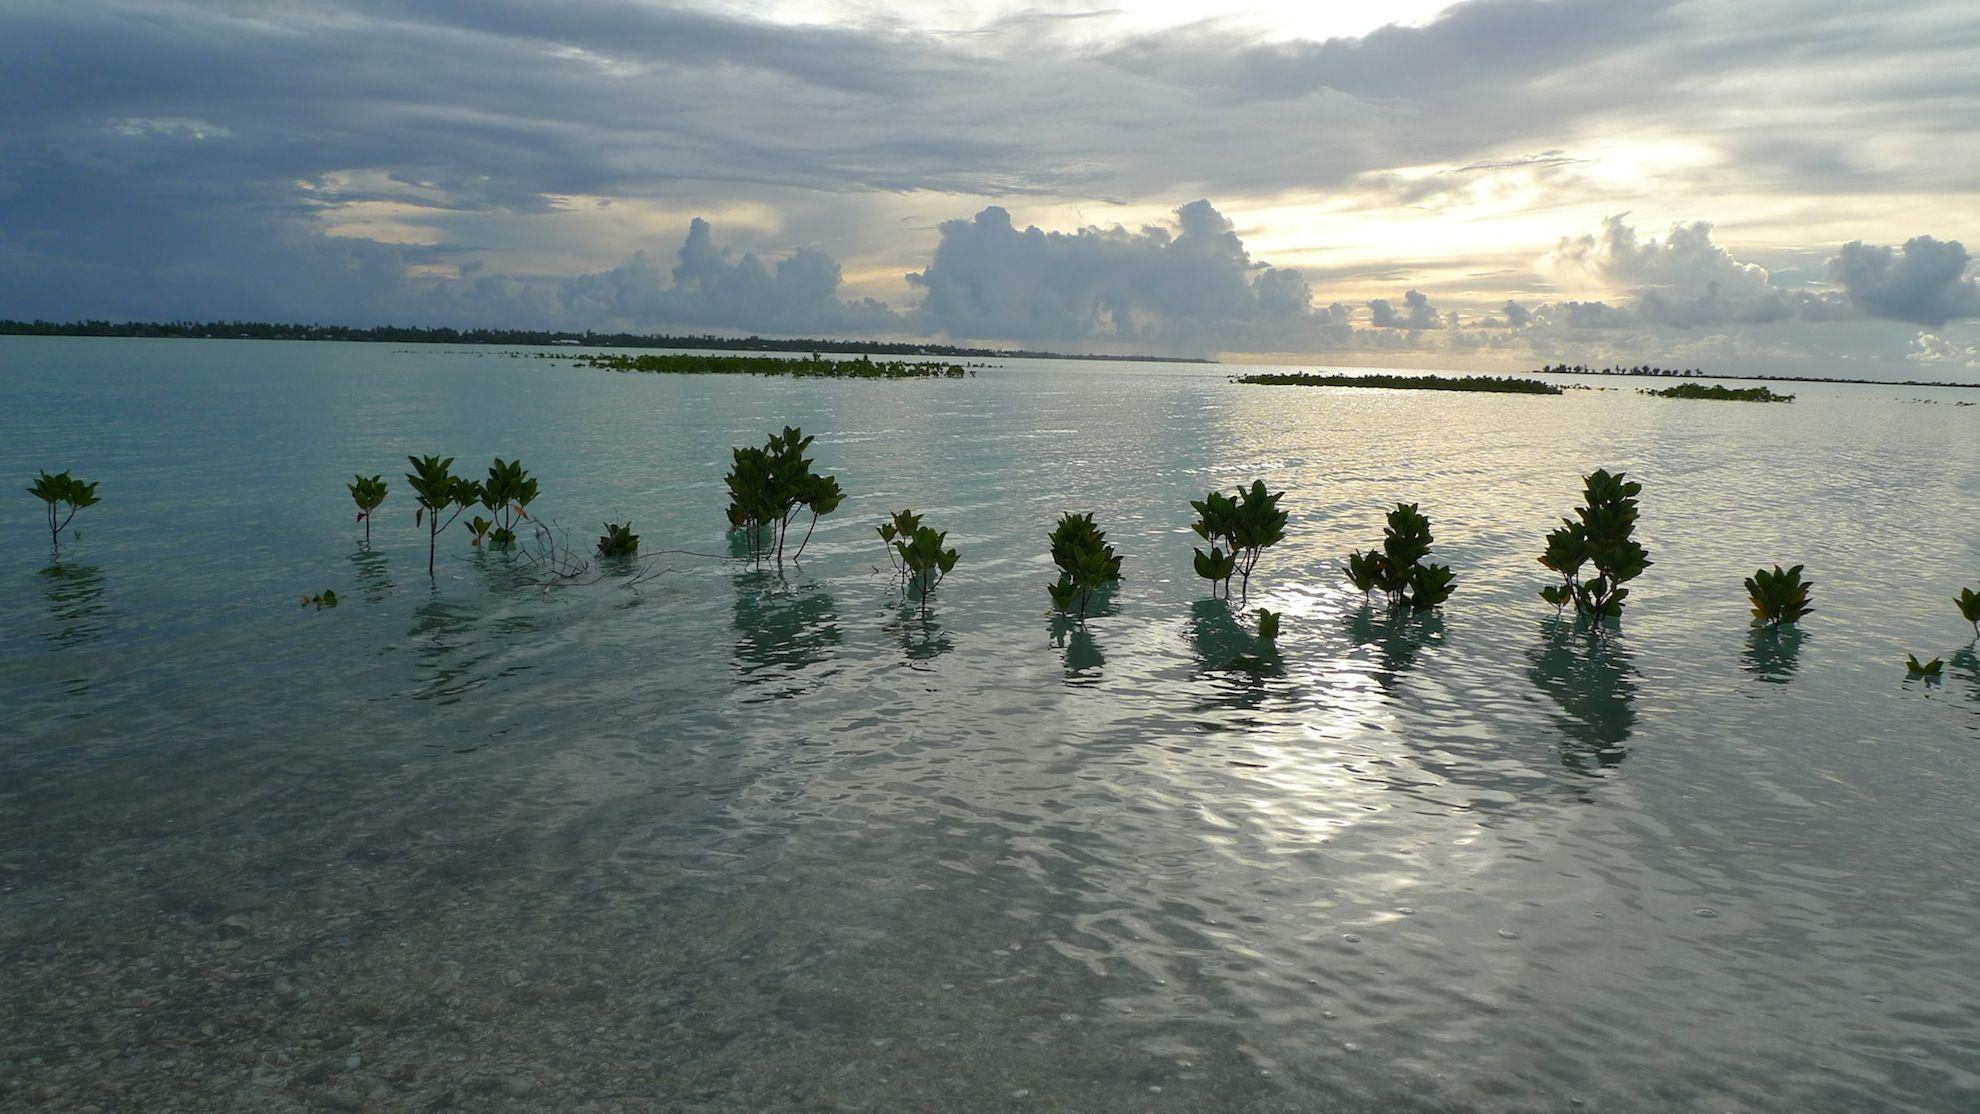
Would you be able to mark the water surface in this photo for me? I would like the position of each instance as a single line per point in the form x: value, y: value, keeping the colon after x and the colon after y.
x: 745, y: 839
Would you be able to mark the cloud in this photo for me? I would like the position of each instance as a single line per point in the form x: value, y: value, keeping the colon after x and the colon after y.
x: 1930, y: 348
x: 1417, y: 313
x: 1191, y: 287
x: 1925, y: 284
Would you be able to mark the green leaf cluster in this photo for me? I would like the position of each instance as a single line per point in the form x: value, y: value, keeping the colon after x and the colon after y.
x: 917, y: 552
x: 1930, y: 670
x: 506, y: 495
x: 1239, y: 529
x: 438, y: 491
x: 1268, y: 625
x: 768, y: 487
x: 1968, y: 602
x: 368, y: 492
x: 62, y: 490
x: 618, y: 540
x: 1778, y: 597
x: 1086, y: 562
x: 1397, y: 569
x: 1598, y: 538
x: 321, y: 600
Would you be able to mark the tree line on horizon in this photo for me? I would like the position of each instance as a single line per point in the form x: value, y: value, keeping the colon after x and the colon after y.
x: 416, y: 334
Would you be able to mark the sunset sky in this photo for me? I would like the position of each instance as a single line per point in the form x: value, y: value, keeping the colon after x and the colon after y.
x: 1500, y: 182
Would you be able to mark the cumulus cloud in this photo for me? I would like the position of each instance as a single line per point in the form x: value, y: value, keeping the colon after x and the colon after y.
x: 1930, y: 348
x: 1416, y: 313
x: 1190, y: 287
x: 1925, y: 283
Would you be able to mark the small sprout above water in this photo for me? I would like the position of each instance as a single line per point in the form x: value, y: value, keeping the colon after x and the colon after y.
x: 770, y: 486
x: 1268, y: 625
x: 1239, y: 529
x: 618, y: 540
x: 1928, y: 670
x: 1778, y: 597
x: 367, y: 492
x: 917, y: 553
x: 506, y: 494
x: 438, y: 491
x: 1397, y: 569
x: 321, y: 600
x: 1085, y: 561
x: 1968, y: 602
x: 1599, y: 536
x: 63, y: 490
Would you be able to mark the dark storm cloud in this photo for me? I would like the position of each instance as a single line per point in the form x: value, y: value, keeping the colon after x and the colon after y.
x: 1924, y: 283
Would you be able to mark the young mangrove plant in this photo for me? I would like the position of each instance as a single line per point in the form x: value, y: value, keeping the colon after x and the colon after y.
x: 321, y: 600
x: 1268, y: 625
x: 1086, y: 563
x: 506, y: 495
x: 1778, y: 597
x: 1968, y: 602
x: 618, y: 540
x: 1599, y: 536
x: 1397, y: 569
x: 917, y: 553
x: 770, y: 486
x: 1929, y: 670
x: 438, y: 490
x: 367, y: 492
x: 1239, y: 531
x: 62, y: 490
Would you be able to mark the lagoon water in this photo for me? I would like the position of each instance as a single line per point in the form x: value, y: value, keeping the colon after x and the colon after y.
x: 738, y: 839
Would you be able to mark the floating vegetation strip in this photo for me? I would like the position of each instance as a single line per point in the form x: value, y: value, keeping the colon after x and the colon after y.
x: 1489, y: 384
x: 803, y: 367
x: 1729, y: 394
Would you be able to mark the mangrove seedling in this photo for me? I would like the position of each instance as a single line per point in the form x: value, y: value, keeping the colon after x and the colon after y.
x: 367, y: 492
x: 618, y: 540
x: 1929, y: 670
x: 1085, y: 561
x: 1968, y: 602
x: 438, y: 490
x: 1240, y: 530
x: 1268, y: 625
x: 917, y: 553
x: 321, y: 600
x: 770, y: 485
x: 1599, y: 536
x: 62, y: 490
x: 1778, y: 597
x: 1397, y: 569
x: 506, y: 495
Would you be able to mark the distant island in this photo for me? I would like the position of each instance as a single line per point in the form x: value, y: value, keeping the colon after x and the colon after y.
x: 1691, y: 373
x: 411, y: 334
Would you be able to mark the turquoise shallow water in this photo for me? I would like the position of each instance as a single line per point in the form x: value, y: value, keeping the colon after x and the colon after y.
x: 741, y: 840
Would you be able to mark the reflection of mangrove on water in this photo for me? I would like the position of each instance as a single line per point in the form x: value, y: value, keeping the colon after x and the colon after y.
x: 1396, y: 637
x: 1590, y: 675
x: 1083, y: 658
x: 1965, y: 665
x: 921, y: 638
x: 373, y: 574
x: 781, y: 631
x: 1772, y: 653
x: 75, y: 603
x: 1243, y: 665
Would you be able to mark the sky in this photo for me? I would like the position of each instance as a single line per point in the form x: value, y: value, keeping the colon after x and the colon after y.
x: 1780, y: 185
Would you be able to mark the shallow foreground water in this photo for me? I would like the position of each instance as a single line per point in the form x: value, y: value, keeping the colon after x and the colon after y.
x: 750, y: 840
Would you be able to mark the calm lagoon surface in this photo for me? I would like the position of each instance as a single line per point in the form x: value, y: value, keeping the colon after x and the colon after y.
x: 743, y: 839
